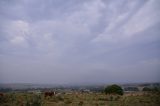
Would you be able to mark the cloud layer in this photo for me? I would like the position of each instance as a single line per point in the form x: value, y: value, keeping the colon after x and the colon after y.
x: 88, y: 41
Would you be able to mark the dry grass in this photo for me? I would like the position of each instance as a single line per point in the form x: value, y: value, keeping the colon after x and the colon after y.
x: 81, y: 99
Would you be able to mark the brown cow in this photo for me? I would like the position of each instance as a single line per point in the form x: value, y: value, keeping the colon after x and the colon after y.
x: 1, y: 94
x: 50, y: 94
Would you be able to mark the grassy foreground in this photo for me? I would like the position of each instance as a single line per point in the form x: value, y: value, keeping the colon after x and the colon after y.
x: 81, y: 99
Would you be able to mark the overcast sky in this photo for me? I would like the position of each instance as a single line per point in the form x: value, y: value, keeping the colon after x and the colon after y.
x: 79, y: 41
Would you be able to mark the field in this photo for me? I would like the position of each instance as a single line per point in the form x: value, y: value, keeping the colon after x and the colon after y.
x: 80, y: 99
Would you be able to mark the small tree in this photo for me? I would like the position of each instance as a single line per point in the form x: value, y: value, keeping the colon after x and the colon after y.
x: 146, y: 89
x: 114, y: 89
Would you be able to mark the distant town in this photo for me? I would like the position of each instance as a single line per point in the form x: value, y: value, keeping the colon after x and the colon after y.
x: 39, y: 88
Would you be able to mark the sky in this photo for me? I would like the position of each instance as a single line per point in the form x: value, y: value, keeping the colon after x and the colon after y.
x: 79, y: 41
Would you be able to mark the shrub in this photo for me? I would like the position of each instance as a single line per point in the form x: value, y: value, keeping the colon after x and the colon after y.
x: 60, y: 98
x: 147, y: 89
x: 114, y: 89
x: 80, y: 103
x: 68, y: 102
x: 34, y: 101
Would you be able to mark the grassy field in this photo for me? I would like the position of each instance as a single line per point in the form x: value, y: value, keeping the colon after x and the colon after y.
x: 80, y: 99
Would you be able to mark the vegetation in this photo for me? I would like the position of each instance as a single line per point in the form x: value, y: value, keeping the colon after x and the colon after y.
x: 154, y: 89
x: 131, y: 89
x: 114, y: 89
x: 147, y: 89
x: 81, y: 99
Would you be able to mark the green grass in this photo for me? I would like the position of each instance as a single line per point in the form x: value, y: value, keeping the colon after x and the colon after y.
x: 80, y: 99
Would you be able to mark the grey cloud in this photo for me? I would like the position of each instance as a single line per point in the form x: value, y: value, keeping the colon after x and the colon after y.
x: 101, y: 41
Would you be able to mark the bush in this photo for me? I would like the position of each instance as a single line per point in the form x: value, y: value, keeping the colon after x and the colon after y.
x: 68, y: 101
x: 34, y: 101
x: 155, y: 89
x: 80, y: 103
x: 147, y: 89
x: 60, y: 98
x: 114, y: 89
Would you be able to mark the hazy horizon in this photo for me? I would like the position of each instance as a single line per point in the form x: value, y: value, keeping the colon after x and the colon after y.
x: 79, y: 41
x: 11, y: 85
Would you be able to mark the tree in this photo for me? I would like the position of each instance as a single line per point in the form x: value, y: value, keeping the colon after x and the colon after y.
x: 155, y: 89
x: 114, y: 89
x: 146, y: 89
